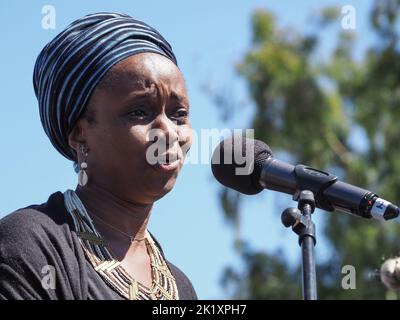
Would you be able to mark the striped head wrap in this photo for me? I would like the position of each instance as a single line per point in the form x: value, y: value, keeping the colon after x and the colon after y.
x: 70, y: 66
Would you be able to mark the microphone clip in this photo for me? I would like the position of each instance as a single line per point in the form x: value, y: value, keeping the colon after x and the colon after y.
x: 317, y: 182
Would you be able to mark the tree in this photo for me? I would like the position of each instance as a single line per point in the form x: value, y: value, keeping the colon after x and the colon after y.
x: 335, y: 99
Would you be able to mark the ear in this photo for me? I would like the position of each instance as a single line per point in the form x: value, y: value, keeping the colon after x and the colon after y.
x: 77, y: 136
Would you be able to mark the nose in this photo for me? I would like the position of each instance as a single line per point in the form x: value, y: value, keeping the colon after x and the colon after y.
x: 165, y: 130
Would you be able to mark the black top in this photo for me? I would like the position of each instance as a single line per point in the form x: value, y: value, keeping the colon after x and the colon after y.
x: 38, y: 242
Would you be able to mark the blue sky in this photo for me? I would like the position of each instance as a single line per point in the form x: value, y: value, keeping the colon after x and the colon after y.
x: 208, y: 38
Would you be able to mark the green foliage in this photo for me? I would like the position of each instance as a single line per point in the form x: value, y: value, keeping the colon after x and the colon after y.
x: 329, y: 15
x: 311, y: 110
x: 265, y: 276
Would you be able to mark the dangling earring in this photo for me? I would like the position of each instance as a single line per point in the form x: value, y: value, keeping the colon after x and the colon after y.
x: 82, y: 175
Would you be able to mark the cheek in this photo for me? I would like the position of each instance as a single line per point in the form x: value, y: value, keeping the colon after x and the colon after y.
x: 121, y: 144
x: 133, y: 142
x: 185, y: 137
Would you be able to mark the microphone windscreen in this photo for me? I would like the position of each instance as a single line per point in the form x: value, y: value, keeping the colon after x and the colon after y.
x: 237, y: 162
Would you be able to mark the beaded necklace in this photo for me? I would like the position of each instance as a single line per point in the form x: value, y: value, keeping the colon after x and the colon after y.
x: 97, y: 252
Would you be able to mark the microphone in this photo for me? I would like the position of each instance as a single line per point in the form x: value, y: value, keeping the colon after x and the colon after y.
x: 248, y: 166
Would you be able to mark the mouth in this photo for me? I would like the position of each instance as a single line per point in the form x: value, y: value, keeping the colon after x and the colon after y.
x: 167, y: 163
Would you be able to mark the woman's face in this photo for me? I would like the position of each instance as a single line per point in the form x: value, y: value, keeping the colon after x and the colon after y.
x: 137, y: 115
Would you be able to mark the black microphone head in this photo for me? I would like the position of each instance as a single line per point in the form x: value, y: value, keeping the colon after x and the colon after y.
x: 237, y: 162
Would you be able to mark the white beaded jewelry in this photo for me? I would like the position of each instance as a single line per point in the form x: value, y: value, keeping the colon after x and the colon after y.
x: 82, y: 175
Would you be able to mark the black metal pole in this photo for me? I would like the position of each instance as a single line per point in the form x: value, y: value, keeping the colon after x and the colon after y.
x: 300, y: 221
x: 307, y: 242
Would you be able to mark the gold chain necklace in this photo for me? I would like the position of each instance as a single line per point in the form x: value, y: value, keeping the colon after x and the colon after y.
x: 97, y: 252
x: 130, y: 237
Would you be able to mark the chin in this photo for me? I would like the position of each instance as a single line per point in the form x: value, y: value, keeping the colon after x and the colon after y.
x: 161, y: 190
x: 168, y: 187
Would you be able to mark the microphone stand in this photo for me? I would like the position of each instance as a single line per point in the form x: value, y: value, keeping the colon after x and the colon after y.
x: 300, y: 221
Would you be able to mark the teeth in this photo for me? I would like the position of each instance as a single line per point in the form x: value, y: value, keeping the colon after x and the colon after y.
x: 168, y: 158
x: 167, y: 162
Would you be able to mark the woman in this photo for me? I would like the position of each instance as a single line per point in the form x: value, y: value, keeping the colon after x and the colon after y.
x: 111, y: 99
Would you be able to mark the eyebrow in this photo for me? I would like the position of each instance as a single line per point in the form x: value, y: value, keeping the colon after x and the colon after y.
x: 148, y: 92
x: 178, y: 97
x: 140, y: 93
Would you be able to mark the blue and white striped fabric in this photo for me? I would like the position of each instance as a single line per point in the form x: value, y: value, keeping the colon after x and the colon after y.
x: 69, y: 67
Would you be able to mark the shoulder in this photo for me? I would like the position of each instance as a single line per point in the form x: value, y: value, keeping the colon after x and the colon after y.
x: 185, y: 287
x: 34, y: 224
x: 34, y: 240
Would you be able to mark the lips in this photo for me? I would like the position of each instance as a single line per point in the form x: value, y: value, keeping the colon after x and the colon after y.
x: 167, y: 163
x: 167, y: 167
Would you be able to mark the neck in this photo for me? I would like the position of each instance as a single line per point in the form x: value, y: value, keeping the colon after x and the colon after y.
x: 128, y: 217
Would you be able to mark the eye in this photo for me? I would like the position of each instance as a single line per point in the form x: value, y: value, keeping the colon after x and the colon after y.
x: 181, y: 114
x: 139, y: 114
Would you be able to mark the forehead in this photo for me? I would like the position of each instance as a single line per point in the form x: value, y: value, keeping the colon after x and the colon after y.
x: 144, y: 70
